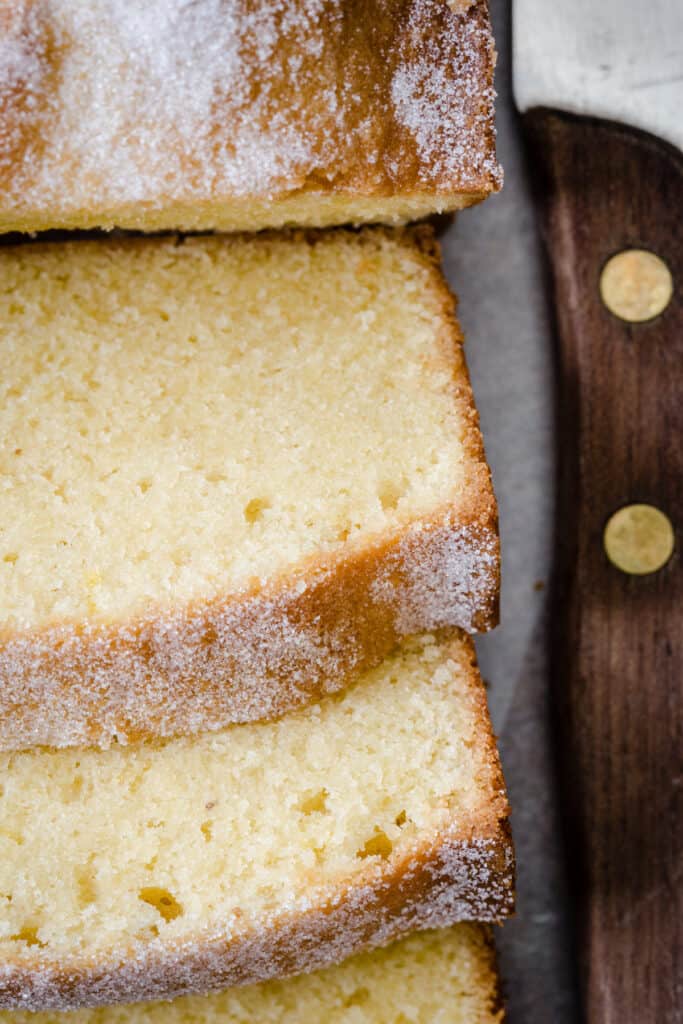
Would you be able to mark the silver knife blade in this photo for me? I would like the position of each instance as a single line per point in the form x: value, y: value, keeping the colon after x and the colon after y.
x: 621, y: 60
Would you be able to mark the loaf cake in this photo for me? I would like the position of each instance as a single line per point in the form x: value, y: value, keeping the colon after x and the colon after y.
x: 440, y: 977
x: 242, y: 114
x: 265, y: 850
x: 235, y: 471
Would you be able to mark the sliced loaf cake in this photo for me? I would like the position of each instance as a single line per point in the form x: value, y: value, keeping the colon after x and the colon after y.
x: 242, y: 114
x: 233, y: 473
x: 440, y: 977
x: 266, y: 850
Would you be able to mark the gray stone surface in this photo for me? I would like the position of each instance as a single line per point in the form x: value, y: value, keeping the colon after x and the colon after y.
x: 495, y: 264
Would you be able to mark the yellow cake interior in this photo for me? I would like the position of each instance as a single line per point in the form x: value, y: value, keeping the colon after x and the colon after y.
x: 182, y: 420
x: 237, y: 213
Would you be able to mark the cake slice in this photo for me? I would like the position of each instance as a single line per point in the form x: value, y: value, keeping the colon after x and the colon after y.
x: 233, y: 473
x: 242, y: 114
x: 440, y: 977
x: 269, y: 849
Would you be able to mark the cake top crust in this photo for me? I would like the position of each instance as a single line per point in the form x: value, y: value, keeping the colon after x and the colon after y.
x: 111, y: 103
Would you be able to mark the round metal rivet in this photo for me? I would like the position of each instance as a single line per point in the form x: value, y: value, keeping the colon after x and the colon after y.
x: 636, y: 285
x: 639, y: 539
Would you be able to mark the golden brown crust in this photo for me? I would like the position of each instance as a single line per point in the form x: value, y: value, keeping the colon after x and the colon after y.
x: 465, y: 949
x: 258, y: 654
x: 487, y: 974
x: 314, y: 118
x: 466, y: 872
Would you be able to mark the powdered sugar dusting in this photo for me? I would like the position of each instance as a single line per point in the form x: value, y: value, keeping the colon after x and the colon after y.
x: 168, y: 65
x: 109, y: 103
x: 444, y: 567
x: 23, y: 45
x: 425, y: 91
x: 18, y: 60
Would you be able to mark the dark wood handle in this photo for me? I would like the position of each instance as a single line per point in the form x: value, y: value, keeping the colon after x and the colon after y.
x: 618, y: 638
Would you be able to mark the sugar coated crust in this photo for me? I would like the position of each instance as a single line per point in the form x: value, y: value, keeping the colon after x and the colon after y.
x: 460, y: 961
x: 242, y: 114
x: 463, y: 873
x: 260, y: 653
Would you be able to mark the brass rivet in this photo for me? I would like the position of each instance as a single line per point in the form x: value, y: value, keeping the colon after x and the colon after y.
x: 636, y: 285
x: 639, y: 539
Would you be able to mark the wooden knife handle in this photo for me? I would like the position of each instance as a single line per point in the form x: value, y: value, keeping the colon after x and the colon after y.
x: 618, y: 638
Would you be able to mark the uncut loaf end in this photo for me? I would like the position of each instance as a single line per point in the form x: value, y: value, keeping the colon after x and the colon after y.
x: 440, y: 977
x: 269, y: 849
x: 242, y: 114
x: 235, y: 471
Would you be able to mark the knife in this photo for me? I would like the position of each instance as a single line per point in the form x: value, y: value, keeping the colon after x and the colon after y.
x: 600, y: 88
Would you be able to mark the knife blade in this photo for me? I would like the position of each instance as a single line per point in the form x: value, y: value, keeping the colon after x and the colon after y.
x: 600, y: 88
x: 616, y: 60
